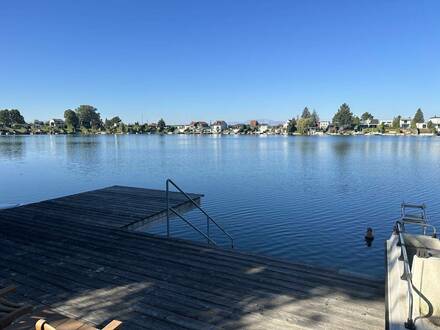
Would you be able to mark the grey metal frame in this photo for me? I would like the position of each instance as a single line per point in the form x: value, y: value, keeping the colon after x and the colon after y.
x: 409, y: 324
x: 209, y: 219
x: 423, y: 219
x: 407, y: 275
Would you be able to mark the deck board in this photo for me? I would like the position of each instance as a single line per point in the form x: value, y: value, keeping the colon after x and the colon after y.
x: 74, y: 256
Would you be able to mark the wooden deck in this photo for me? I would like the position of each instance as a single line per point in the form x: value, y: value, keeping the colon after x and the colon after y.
x: 74, y: 256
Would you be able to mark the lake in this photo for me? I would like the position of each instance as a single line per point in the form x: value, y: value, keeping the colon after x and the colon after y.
x: 307, y: 199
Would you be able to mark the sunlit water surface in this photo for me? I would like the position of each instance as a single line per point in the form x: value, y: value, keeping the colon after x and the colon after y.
x: 307, y: 199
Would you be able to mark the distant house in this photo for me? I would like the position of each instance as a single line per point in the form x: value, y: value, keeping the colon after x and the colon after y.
x: 253, y: 123
x: 58, y: 123
x: 386, y: 122
x: 436, y: 122
x: 38, y: 123
x: 199, y: 124
x: 324, y: 124
x: 421, y: 125
x: 263, y: 128
x: 369, y: 123
x: 237, y: 128
x: 405, y: 122
x: 219, y: 126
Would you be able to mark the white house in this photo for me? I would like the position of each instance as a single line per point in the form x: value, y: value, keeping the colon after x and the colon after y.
x: 386, y: 122
x: 421, y: 125
x: 218, y: 126
x: 263, y: 128
x: 405, y: 122
x: 324, y: 124
x: 59, y: 123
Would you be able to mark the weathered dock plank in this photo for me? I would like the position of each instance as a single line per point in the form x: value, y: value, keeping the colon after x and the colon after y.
x: 74, y: 256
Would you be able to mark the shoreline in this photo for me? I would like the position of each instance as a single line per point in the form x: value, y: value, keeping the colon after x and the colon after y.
x: 231, y: 134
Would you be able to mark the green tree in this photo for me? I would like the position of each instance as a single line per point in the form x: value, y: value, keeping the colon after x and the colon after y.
x: 4, y: 117
x: 366, y: 116
x: 88, y: 116
x: 111, y: 123
x: 396, y: 122
x: 382, y: 128
x: 356, y: 121
x: 431, y: 127
x: 418, y: 118
x: 291, y: 126
x: 161, y: 125
x: 344, y: 117
x: 303, y: 125
x: 16, y: 117
x: 71, y: 118
x: 11, y: 117
x: 314, y: 119
x: 306, y: 113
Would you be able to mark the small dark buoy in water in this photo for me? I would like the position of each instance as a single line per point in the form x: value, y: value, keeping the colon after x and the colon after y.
x: 369, y: 237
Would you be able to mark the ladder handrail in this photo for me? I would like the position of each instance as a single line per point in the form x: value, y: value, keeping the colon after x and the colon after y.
x: 192, y: 226
x: 407, y: 275
x: 208, y: 217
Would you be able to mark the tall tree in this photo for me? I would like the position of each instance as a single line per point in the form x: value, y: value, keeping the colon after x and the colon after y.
x: 306, y: 113
x: 161, y: 125
x: 344, y: 117
x: 418, y: 118
x: 366, y: 116
x: 396, y: 122
x: 88, y: 116
x: 303, y: 125
x: 431, y: 126
x: 71, y: 118
x: 16, y: 117
x: 314, y: 119
x: 4, y: 117
x: 291, y: 126
x: 11, y: 117
x: 356, y: 121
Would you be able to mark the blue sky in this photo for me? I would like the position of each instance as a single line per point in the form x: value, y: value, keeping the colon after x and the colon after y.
x: 206, y: 60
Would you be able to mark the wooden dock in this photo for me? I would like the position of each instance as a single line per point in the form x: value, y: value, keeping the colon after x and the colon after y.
x: 75, y: 257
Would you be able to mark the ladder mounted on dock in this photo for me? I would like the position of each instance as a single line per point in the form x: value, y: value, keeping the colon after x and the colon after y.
x: 209, y: 219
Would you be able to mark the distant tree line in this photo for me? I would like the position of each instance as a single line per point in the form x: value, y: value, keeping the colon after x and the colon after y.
x: 344, y: 119
x: 86, y: 118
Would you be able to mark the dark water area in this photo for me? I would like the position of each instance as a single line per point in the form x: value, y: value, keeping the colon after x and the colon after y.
x: 306, y: 199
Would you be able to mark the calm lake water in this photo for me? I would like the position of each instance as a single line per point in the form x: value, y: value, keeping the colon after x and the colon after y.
x: 307, y: 199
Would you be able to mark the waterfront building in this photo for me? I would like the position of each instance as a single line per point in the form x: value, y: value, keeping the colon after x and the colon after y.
x: 58, y: 123
x: 386, y: 122
x: 219, y: 126
x: 38, y: 123
x: 369, y: 123
x: 254, y: 123
x: 436, y: 122
x: 324, y: 124
x: 405, y: 122
x: 421, y: 125
x: 263, y: 128
x: 237, y: 128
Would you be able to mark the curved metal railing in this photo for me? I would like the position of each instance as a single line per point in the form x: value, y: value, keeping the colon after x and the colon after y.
x: 409, y: 324
x: 209, y: 219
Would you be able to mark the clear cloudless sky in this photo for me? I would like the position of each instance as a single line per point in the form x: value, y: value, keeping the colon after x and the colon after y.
x: 225, y: 59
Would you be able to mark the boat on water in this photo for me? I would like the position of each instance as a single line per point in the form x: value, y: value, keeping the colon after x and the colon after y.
x: 413, y: 272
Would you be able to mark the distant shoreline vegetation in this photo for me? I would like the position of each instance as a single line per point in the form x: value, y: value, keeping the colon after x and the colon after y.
x: 86, y: 120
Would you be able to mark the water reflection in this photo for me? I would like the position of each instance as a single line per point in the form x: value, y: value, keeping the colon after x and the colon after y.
x: 269, y: 192
x: 12, y: 148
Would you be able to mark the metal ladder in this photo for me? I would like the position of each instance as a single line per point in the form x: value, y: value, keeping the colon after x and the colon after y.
x: 209, y: 219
